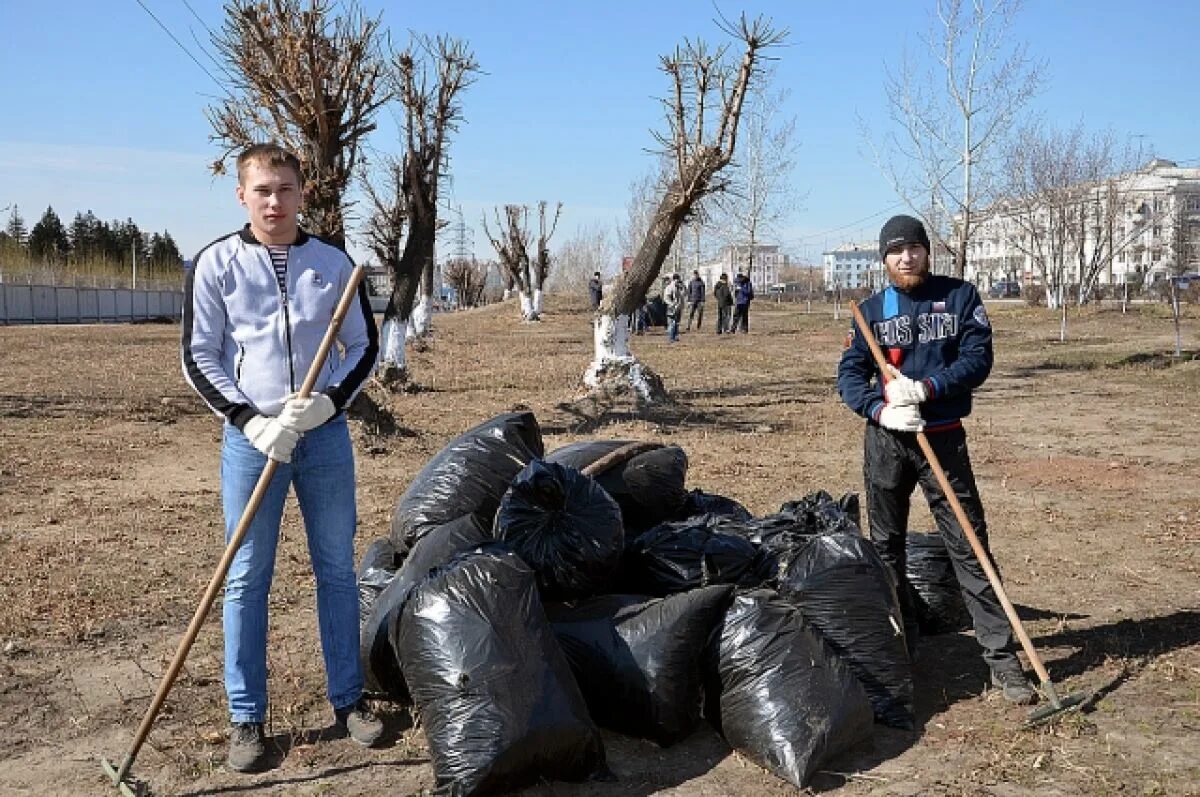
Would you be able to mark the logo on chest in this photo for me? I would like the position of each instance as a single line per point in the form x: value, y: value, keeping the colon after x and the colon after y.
x: 899, y: 332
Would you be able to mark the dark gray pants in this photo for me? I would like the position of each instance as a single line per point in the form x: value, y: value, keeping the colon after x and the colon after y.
x: 741, y: 317
x: 696, y: 312
x: 723, y: 312
x: 893, y: 465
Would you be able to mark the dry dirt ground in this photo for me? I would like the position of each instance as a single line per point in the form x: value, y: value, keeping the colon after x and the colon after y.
x: 1086, y: 454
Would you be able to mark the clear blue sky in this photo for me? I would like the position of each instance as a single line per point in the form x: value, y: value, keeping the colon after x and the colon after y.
x: 103, y: 111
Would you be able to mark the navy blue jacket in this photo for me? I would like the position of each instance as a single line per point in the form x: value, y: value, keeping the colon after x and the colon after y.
x: 938, y: 334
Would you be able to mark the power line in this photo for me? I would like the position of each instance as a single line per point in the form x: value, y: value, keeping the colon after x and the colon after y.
x: 851, y: 224
x: 179, y: 44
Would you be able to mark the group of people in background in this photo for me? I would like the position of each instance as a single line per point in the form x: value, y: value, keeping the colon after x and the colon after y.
x: 732, y: 300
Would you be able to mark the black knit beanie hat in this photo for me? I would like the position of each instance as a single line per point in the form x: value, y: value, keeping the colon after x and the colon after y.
x: 901, y: 230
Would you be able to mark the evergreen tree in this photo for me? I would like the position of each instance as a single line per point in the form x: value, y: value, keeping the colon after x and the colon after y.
x: 163, y: 251
x: 16, y: 226
x: 85, y: 236
x: 48, y: 239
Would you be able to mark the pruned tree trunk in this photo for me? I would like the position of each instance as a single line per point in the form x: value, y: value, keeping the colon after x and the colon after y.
x: 702, y: 118
x: 511, y: 243
x: 427, y: 76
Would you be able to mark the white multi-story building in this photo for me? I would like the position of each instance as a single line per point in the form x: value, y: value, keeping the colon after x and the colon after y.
x: 1139, y: 226
x: 762, y: 262
x: 852, y: 266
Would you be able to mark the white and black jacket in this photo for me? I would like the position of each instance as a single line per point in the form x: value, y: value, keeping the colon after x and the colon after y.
x: 246, y: 346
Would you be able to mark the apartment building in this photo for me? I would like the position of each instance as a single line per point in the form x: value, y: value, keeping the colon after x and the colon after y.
x: 762, y: 262
x: 851, y: 267
x: 1136, y: 228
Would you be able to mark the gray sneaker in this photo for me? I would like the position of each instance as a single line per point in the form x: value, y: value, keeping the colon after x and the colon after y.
x: 1013, y: 685
x: 247, y: 747
x: 360, y: 723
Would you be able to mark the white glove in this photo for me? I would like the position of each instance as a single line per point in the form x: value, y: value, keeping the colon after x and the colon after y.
x: 901, y: 390
x: 901, y: 418
x: 302, y: 414
x: 271, y: 437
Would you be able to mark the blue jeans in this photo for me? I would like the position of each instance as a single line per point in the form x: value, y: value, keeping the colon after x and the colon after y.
x: 672, y: 327
x: 322, y: 471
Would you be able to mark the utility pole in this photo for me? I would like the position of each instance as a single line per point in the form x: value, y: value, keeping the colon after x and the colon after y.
x: 133, y: 249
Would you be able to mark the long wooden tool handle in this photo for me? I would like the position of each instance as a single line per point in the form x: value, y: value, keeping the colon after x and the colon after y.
x: 235, y: 542
x: 619, y: 456
x: 980, y: 554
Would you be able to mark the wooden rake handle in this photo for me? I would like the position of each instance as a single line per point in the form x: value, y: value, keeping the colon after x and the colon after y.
x: 969, y: 530
x: 235, y: 542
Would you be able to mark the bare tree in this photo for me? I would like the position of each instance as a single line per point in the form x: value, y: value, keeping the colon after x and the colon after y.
x: 1063, y: 200
x: 511, y: 243
x: 310, y: 78
x: 950, y: 117
x: 761, y: 193
x: 702, y: 116
x: 540, y: 267
x: 468, y: 279
x: 588, y: 250
x: 428, y: 77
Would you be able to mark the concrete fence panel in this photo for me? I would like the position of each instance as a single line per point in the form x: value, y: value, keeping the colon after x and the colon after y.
x: 108, y: 304
x: 67, y: 303
x: 18, y: 304
x: 89, y: 305
x: 45, y: 304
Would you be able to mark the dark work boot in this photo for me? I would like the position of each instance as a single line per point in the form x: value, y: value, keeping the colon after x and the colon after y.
x: 1010, y: 680
x: 360, y: 723
x: 247, y: 747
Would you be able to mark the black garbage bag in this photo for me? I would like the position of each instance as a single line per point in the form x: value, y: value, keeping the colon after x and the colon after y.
x: 842, y: 587
x: 467, y: 477
x: 786, y: 701
x: 776, y: 534
x: 498, y: 702
x: 699, y: 502
x: 649, y: 487
x: 565, y: 526
x: 683, y: 555
x: 935, y: 595
x: 375, y: 571
x: 823, y: 515
x: 638, y: 660
x: 382, y: 677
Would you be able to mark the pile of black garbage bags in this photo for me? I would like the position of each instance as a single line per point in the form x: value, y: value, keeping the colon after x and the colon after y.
x: 521, y: 604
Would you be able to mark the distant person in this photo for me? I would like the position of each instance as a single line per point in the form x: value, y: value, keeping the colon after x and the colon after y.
x: 673, y: 296
x: 743, y: 294
x: 936, y: 336
x: 724, y: 297
x: 595, y: 290
x: 695, y: 297
x: 257, y: 305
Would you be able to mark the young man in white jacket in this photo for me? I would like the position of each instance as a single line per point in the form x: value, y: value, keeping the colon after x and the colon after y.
x: 258, y: 302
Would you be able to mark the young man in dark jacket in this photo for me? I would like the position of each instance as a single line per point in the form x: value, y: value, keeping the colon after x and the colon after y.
x: 724, y: 297
x: 743, y: 293
x: 695, y: 297
x: 938, y: 342
x: 595, y: 290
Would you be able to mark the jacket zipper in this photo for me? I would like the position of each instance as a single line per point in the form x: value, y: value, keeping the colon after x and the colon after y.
x: 287, y: 320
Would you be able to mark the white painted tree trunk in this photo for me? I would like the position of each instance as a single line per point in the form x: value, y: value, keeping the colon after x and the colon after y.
x: 391, y: 344
x: 507, y: 294
x: 421, y: 318
x: 537, y: 302
x: 611, y: 337
x: 526, y: 298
